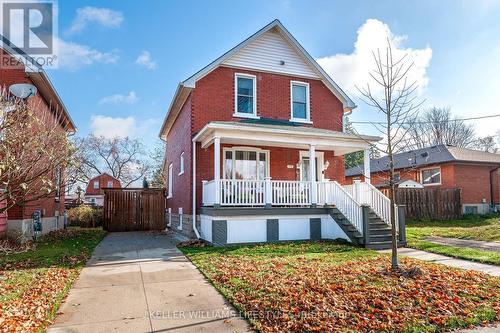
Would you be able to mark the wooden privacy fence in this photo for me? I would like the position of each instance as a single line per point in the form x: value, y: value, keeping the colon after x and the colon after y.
x: 134, y: 209
x: 432, y: 203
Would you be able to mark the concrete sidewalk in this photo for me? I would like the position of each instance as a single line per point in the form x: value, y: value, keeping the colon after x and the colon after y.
x: 140, y: 282
x: 481, y: 245
x: 448, y: 261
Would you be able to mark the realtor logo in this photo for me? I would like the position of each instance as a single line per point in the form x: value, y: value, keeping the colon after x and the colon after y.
x: 29, y: 28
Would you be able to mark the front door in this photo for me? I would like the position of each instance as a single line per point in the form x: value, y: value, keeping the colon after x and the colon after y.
x: 305, y: 169
x: 305, y: 166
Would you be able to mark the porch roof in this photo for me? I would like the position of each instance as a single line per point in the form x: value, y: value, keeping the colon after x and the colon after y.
x: 301, y: 137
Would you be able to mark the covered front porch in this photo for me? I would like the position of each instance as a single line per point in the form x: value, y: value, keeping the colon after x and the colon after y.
x: 282, y: 182
x: 257, y: 165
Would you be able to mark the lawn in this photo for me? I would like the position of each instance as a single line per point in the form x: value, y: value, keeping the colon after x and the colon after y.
x: 482, y: 228
x: 33, y: 283
x: 323, y: 286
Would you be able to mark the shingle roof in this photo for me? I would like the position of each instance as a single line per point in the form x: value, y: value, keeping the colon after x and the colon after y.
x: 426, y: 156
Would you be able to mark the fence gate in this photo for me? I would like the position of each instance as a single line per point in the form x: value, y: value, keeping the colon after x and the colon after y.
x: 134, y: 209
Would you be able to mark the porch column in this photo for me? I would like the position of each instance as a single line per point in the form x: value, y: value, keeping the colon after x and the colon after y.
x: 366, y: 164
x: 312, y: 175
x: 217, y: 170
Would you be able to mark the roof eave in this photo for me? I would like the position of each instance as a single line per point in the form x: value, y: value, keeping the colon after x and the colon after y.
x: 174, y: 107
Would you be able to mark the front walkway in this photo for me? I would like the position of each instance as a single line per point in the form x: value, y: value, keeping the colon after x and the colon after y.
x: 481, y: 245
x: 140, y: 282
x: 448, y: 261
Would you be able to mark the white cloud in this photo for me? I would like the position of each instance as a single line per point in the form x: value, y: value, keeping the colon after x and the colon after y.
x: 144, y: 59
x: 110, y: 127
x: 72, y: 56
x: 130, y: 98
x: 351, y: 70
x: 103, y: 16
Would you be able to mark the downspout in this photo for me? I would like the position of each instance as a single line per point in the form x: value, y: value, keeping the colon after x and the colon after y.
x: 492, y: 195
x: 194, y: 191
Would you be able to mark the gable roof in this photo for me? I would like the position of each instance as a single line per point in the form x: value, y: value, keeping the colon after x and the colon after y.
x: 185, y: 87
x: 104, y: 174
x: 427, y: 156
x: 42, y: 82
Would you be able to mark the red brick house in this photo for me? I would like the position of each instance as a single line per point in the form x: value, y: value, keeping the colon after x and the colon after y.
x: 477, y: 173
x: 255, y: 147
x: 47, y: 98
x: 94, y: 192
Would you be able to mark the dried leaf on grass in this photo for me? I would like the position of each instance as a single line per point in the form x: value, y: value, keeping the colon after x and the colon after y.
x: 296, y: 294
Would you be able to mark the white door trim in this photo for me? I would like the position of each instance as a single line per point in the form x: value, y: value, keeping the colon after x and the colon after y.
x: 320, y: 157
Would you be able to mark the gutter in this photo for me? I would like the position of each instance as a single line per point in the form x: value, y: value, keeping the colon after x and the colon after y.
x: 194, y: 191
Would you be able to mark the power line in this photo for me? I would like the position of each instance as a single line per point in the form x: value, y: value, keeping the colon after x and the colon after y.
x: 427, y: 122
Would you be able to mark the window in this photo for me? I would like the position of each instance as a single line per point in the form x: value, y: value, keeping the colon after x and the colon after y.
x: 181, y: 168
x: 245, y: 96
x: 431, y: 176
x: 96, y: 184
x: 397, y: 176
x: 110, y: 184
x: 244, y: 163
x: 300, y: 101
x: 170, y: 168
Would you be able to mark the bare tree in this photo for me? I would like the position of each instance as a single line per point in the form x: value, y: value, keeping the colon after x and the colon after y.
x: 158, y: 175
x: 487, y: 144
x: 398, y: 103
x: 438, y: 126
x: 34, y: 151
x: 356, y: 158
x: 123, y: 158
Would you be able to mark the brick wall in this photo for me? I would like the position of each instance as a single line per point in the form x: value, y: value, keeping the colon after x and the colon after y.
x: 11, y: 75
x: 474, y: 181
x: 178, y: 141
x: 213, y: 99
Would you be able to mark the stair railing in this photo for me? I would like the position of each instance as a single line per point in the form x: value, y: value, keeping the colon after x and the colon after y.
x: 335, y: 194
x: 367, y: 194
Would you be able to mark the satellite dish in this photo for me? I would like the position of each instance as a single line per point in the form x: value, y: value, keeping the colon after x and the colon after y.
x: 23, y: 90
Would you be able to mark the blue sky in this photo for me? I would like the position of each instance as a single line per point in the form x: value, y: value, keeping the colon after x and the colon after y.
x: 122, y: 60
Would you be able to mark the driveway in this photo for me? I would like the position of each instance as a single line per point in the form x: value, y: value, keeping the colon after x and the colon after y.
x: 140, y: 282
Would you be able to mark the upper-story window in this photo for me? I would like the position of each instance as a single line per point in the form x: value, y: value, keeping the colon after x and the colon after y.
x: 245, y: 96
x: 110, y: 184
x: 300, y: 101
x: 96, y: 184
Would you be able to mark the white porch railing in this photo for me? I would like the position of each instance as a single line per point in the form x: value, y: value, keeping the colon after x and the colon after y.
x: 239, y: 192
x: 332, y: 193
x: 367, y: 194
x: 348, y: 199
x: 209, y: 190
x: 291, y: 193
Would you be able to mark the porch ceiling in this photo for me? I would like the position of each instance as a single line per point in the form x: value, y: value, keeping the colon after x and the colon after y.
x: 300, y: 137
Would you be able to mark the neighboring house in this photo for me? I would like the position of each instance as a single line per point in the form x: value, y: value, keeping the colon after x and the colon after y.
x: 51, y: 207
x: 94, y: 192
x: 477, y: 173
x: 255, y: 147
